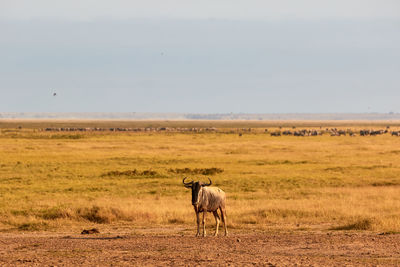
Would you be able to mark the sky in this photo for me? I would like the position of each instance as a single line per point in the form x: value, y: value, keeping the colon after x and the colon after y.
x: 209, y: 56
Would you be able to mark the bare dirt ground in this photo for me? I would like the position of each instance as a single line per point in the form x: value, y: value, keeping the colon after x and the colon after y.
x: 261, y: 249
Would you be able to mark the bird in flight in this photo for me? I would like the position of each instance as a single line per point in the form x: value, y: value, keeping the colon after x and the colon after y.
x: 54, y: 94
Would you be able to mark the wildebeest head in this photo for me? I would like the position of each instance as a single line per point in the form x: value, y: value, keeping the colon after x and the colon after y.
x: 196, y: 189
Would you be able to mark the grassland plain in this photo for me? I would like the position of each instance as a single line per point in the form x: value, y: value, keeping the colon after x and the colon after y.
x: 53, y: 180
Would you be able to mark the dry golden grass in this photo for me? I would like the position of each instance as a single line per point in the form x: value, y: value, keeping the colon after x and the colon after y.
x: 53, y: 180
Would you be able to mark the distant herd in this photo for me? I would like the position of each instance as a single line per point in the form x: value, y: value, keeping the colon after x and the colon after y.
x: 240, y: 131
x: 335, y: 132
x: 119, y: 129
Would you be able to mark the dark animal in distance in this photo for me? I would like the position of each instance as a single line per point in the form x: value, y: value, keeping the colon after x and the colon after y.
x: 90, y: 231
x: 207, y: 199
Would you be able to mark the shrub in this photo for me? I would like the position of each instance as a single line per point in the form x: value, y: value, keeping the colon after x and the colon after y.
x: 132, y: 173
x: 203, y: 171
x: 360, y: 224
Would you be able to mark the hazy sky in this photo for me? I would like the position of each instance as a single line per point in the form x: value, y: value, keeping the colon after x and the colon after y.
x: 209, y: 56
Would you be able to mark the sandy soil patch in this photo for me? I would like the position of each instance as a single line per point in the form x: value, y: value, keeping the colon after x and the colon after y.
x: 268, y: 249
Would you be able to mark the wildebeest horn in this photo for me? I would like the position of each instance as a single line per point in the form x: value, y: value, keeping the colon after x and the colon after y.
x: 187, y: 184
x: 208, y: 183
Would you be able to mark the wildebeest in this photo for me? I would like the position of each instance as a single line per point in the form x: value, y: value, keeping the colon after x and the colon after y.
x: 396, y: 133
x: 207, y: 199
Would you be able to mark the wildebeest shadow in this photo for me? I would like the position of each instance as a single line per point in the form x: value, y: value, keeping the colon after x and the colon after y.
x: 94, y: 238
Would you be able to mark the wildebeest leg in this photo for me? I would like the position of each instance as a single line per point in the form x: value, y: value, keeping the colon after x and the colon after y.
x: 198, y: 223
x: 204, y: 222
x: 223, y: 217
x: 216, y: 216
